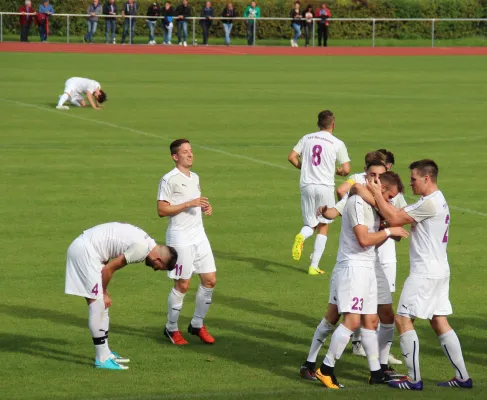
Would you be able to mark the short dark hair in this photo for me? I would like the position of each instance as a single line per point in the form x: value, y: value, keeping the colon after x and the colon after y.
x: 173, y: 258
x: 374, y: 155
x: 325, y: 119
x: 426, y: 167
x: 389, y: 156
x: 174, y: 146
x: 102, y: 97
x: 375, y: 163
x: 390, y: 178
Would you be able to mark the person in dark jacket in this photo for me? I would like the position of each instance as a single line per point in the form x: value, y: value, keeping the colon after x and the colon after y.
x: 183, y: 11
x: 110, y: 8
x: 26, y: 20
x: 130, y: 8
x: 208, y: 15
x: 296, y: 21
x: 94, y: 10
x: 323, y: 14
x: 308, y: 23
x: 153, y: 11
x: 167, y: 22
x: 228, y: 12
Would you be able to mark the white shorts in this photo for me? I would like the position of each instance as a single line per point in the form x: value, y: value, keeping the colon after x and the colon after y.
x: 384, y: 295
x: 194, y: 259
x: 424, y: 297
x: 312, y: 197
x: 355, y: 290
x: 70, y: 88
x: 390, y: 271
x: 83, y: 270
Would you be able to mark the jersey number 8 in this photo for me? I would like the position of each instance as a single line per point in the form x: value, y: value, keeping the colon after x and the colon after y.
x: 316, y: 155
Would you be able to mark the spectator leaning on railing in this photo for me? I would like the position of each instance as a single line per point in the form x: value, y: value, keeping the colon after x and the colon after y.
x: 296, y: 21
x: 228, y: 12
x: 208, y: 15
x: 323, y: 14
x: 308, y: 24
x: 183, y: 11
x: 252, y: 12
x: 110, y: 8
x: 26, y: 20
x: 167, y: 24
x: 95, y: 9
x: 42, y: 18
x: 130, y: 8
x: 153, y: 11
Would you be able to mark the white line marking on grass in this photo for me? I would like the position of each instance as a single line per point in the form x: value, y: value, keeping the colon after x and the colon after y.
x: 212, y: 149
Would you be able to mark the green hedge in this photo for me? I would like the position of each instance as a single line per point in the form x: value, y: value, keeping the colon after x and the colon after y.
x: 281, y: 8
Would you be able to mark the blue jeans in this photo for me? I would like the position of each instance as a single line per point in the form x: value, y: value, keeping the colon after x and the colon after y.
x: 152, y: 27
x: 110, y: 25
x: 297, y: 31
x: 182, y: 31
x: 167, y: 31
x: 250, y: 32
x: 43, y: 32
x: 128, y: 24
x: 228, y: 29
x: 92, y: 25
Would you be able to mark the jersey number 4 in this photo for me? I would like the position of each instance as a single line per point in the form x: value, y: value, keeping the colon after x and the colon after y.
x: 447, y: 222
x: 316, y: 155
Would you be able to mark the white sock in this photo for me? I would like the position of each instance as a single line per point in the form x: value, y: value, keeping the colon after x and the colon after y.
x: 410, y: 350
x: 96, y: 311
x: 174, y: 306
x: 386, y: 334
x: 339, y: 340
x: 356, y: 336
x: 452, y: 349
x: 322, y: 331
x: 203, y: 302
x: 320, y: 244
x: 62, y: 99
x: 106, y: 325
x: 370, y: 342
x: 306, y: 231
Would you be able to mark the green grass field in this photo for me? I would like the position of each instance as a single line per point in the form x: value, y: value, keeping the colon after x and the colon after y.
x: 63, y: 172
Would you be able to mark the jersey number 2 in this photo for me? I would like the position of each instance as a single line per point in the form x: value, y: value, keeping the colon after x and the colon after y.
x: 316, y: 155
x: 445, y: 236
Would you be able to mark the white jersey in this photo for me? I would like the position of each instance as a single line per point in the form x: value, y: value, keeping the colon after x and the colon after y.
x: 185, y: 228
x: 113, y: 239
x: 429, y: 236
x: 81, y: 85
x: 319, y: 154
x: 350, y: 252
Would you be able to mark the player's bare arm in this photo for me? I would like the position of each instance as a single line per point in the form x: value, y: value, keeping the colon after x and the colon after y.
x: 394, y: 216
x: 363, y: 192
x: 343, y: 189
x: 343, y: 170
x: 366, y: 238
x: 294, y: 159
x: 92, y: 101
x: 164, y: 209
x: 106, y: 275
x: 328, y: 213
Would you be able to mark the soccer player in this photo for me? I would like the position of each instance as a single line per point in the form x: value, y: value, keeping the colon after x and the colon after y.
x: 74, y: 90
x: 425, y: 294
x: 92, y: 259
x: 179, y: 198
x: 353, y: 285
x: 316, y: 155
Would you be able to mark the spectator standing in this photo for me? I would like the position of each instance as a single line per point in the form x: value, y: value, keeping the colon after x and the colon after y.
x: 95, y: 9
x: 167, y: 23
x: 110, y: 8
x: 208, y: 15
x: 42, y: 17
x: 308, y: 23
x: 183, y: 11
x: 26, y: 20
x: 153, y: 11
x: 323, y: 14
x: 130, y: 8
x: 252, y: 12
x: 296, y: 21
x: 228, y: 12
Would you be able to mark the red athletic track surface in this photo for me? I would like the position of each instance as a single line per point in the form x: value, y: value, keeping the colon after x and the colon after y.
x: 239, y: 50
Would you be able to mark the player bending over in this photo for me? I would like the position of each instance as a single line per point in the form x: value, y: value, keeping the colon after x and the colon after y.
x: 92, y: 259
x: 179, y: 198
x: 74, y: 90
x: 316, y: 155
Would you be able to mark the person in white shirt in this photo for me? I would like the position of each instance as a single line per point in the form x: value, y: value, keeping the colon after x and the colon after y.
x: 93, y: 258
x: 179, y: 198
x: 316, y: 155
x: 425, y: 294
x: 353, y: 285
x: 74, y: 90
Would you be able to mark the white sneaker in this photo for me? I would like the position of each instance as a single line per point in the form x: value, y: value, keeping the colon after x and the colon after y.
x: 114, y: 41
x: 296, y: 44
x: 358, y: 350
x: 185, y: 44
x: 393, y: 360
x: 169, y: 43
x: 62, y: 107
x: 180, y: 43
x: 292, y: 43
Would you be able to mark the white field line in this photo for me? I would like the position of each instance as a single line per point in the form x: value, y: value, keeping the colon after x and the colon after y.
x: 212, y: 149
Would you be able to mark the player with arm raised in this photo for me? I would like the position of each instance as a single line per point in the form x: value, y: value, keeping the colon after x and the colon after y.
x: 93, y: 258
x: 74, y: 90
x: 425, y: 294
x: 179, y: 198
x: 316, y: 155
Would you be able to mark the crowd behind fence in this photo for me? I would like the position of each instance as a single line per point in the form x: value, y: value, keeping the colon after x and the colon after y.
x: 64, y: 29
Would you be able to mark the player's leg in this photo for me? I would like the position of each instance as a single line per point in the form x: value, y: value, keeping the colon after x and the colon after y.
x: 319, y: 246
x: 76, y: 100
x: 357, y: 348
x: 370, y: 342
x: 309, y: 220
